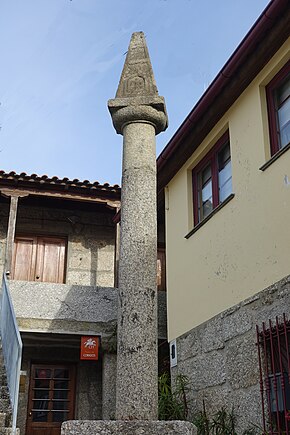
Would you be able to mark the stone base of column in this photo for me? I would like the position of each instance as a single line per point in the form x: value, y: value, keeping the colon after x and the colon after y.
x: 119, y: 427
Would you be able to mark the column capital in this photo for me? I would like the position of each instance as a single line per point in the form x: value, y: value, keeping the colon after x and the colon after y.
x: 139, y: 109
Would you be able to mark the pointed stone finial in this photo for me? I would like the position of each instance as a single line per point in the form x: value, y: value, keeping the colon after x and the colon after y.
x: 137, y: 96
x: 137, y: 76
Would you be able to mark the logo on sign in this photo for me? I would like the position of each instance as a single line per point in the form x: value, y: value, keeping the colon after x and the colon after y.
x: 89, y: 348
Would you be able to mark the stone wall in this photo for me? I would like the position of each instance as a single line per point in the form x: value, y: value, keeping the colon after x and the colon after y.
x: 220, y: 356
x: 68, y: 308
x: 64, y: 308
x: 90, y: 235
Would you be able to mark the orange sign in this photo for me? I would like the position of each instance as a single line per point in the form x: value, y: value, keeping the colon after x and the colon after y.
x: 89, y: 347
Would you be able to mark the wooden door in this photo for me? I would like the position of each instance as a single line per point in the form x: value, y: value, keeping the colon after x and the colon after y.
x: 51, y: 398
x: 39, y: 258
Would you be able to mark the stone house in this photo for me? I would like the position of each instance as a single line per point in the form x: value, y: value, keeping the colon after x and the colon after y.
x: 59, y: 247
x: 223, y: 183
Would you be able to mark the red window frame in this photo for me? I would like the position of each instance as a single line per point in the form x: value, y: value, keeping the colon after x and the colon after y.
x: 271, y: 89
x: 211, y: 159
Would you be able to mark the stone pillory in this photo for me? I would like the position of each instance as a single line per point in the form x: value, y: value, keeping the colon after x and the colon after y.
x: 138, y: 113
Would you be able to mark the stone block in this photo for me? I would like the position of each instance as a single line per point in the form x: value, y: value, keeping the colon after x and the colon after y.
x: 80, y: 259
x: 212, y: 335
x: 127, y: 428
x: 207, y: 370
x: 247, y: 408
x: 106, y: 260
x: 188, y: 345
x: 81, y: 277
x: 237, y: 323
x: 242, y: 362
x: 105, y: 279
x: 270, y: 311
x: 214, y: 399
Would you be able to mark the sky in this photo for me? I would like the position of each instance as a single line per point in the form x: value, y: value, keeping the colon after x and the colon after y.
x: 61, y: 61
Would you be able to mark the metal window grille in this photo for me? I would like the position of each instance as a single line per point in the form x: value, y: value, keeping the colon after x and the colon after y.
x: 273, y: 340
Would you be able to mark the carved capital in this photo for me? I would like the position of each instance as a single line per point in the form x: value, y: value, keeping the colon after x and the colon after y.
x: 122, y: 115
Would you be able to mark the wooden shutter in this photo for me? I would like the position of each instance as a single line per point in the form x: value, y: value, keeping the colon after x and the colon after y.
x: 39, y: 258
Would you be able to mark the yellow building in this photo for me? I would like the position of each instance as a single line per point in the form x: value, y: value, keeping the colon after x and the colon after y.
x: 224, y: 183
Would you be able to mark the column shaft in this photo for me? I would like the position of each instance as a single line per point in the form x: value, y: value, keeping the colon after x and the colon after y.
x: 137, y: 364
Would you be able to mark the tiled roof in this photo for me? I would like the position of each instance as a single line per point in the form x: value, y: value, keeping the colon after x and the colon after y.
x: 54, y: 183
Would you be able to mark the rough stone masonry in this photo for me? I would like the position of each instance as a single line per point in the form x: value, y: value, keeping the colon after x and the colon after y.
x: 138, y: 113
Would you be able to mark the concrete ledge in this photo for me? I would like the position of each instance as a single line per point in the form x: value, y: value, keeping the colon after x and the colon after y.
x: 119, y: 427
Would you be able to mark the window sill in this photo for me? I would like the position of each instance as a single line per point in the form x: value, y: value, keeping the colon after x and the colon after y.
x: 204, y: 221
x: 274, y: 157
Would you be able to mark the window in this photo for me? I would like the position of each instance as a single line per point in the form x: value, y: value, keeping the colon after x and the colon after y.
x: 274, y: 365
x: 212, y: 179
x: 278, y: 101
x: 39, y: 258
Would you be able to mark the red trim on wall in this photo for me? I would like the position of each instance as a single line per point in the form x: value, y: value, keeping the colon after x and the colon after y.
x: 272, y: 117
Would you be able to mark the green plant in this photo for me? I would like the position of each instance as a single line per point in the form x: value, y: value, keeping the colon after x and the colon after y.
x: 221, y: 423
x: 173, y: 403
x: 202, y: 422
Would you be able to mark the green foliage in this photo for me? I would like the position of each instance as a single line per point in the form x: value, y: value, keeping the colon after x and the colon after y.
x: 221, y: 423
x: 172, y: 404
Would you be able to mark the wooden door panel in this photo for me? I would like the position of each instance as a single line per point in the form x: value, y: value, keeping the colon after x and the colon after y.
x: 50, y: 260
x: 39, y: 258
x: 51, y: 398
x: 23, y: 265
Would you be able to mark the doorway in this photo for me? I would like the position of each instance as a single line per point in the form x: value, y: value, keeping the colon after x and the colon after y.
x: 51, y: 398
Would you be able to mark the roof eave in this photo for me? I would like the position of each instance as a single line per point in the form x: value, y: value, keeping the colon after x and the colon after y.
x: 239, y: 60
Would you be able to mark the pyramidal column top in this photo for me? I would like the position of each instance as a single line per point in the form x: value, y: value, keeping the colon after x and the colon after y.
x: 137, y: 90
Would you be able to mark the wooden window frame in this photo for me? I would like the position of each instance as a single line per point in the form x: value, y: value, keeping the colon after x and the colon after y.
x: 271, y: 89
x: 211, y: 159
x: 30, y: 424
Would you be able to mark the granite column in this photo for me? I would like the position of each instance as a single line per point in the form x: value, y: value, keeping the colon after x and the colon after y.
x: 138, y: 114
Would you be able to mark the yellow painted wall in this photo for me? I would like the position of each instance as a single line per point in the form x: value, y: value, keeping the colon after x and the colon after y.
x: 245, y: 246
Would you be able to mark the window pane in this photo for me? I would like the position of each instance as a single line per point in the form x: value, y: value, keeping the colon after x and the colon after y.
x: 42, y: 383
x: 41, y: 394
x: 59, y: 405
x: 59, y: 416
x: 224, y: 156
x: 41, y: 404
x: 43, y: 373
x: 283, y: 92
x: 205, y: 193
x: 61, y: 385
x: 61, y: 373
x: 285, y: 135
x: 225, y: 182
x: 225, y: 173
x: 60, y: 394
x: 284, y: 123
x: 40, y: 415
